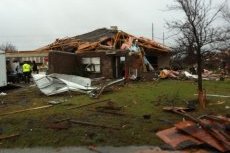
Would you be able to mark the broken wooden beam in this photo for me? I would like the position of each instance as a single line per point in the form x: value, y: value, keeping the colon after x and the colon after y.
x: 93, y: 124
x: 25, y: 110
x: 85, y: 105
x: 9, y: 136
x: 108, y: 112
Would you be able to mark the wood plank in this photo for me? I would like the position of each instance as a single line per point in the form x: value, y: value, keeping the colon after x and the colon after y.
x: 25, y: 110
x: 199, y: 133
x: 176, y: 139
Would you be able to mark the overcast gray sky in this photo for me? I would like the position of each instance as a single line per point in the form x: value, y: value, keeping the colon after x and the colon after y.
x: 30, y: 24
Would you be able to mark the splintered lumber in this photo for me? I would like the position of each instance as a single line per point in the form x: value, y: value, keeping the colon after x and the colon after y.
x: 108, y: 112
x: 93, y: 124
x: 201, y: 134
x: 106, y: 100
x: 176, y: 139
x: 9, y: 136
x: 206, y: 133
x: 25, y: 110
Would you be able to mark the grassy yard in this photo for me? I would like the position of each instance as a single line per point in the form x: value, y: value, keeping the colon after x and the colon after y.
x: 134, y: 99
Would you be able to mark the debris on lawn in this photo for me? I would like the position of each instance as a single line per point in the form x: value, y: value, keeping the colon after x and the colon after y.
x: 108, y: 112
x: 109, y: 108
x: 208, y: 129
x: 58, y: 83
x: 165, y: 73
x: 177, y: 139
x: 93, y: 103
x: 3, y: 94
x: 214, y: 95
x: 25, y: 110
x: 59, y: 125
x: 179, y: 109
x: 100, y: 91
x: 93, y: 124
x: 3, y: 137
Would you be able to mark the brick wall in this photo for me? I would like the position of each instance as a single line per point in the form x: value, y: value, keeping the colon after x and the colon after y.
x: 63, y: 63
x: 105, y: 61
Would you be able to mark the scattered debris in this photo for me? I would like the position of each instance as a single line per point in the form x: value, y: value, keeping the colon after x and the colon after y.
x: 96, y: 95
x: 108, y: 112
x: 217, y: 103
x: 59, y: 125
x: 3, y: 94
x: 58, y: 83
x: 210, y: 130
x: 54, y: 102
x: 202, y: 134
x: 25, y: 110
x: 9, y: 136
x: 211, y: 95
x: 165, y: 73
x: 178, y: 109
x: 93, y: 124
x: 93, y: 103
x: 176, y: 139
x: 93, y: 148
x: 147, y: 116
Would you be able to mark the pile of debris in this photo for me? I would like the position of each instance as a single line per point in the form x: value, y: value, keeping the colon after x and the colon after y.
x: 58, y: 83
x: 208, y: 130
x: 101, y: 39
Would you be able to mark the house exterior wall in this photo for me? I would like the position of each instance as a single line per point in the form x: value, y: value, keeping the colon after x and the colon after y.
x: 71, y: 63
x: 63, y: 63
x: 105, y: 64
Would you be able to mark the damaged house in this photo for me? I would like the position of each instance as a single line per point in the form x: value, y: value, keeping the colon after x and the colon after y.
x: 108, y: 53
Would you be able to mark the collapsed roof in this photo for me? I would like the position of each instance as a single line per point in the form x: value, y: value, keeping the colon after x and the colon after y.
x: 103, y: 39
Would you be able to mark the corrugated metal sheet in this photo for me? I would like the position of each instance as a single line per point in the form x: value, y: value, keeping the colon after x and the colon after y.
x: 3, y: 80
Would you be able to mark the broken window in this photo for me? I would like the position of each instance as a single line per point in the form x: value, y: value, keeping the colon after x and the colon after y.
x: 92, y: 64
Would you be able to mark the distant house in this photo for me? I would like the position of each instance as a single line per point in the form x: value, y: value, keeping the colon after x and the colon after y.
x: 105, y: 52
x: 41, y: 58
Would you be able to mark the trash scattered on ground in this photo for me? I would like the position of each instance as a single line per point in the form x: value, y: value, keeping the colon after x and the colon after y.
x: 3, y: 94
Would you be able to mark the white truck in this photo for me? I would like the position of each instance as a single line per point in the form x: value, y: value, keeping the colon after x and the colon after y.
x: 3, y: 75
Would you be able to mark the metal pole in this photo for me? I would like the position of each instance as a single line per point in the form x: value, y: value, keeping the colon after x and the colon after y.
x: 152, y: 31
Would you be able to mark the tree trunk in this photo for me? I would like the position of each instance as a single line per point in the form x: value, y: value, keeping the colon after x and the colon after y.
x: 199, y: 70
x: 201, y: 92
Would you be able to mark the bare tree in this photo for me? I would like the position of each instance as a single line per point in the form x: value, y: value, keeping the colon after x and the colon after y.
x: 226, y: 13
x: 226, y: 30
x: 8, y: 47
x: 196, y: 29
